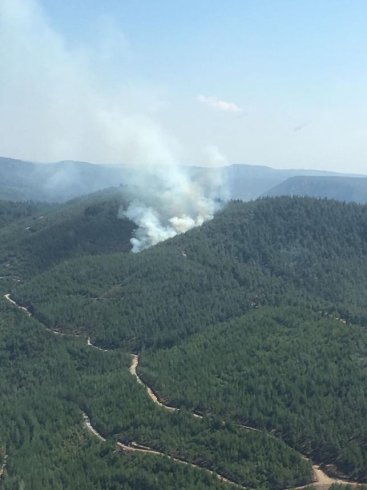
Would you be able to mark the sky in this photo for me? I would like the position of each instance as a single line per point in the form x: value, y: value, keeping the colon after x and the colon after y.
x: 268, y: 82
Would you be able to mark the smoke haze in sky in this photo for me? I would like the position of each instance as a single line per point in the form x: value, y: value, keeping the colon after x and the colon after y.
x: 57, y: 103
x: 118, y: 82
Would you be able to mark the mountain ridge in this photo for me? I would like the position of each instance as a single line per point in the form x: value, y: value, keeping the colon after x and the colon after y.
x: 64, y: 180
x: 341, y: 188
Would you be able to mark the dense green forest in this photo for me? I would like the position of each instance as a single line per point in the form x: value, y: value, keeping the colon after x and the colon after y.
x: 10, y: 212
x: 50, y: 234
x: 48, y: 380
x: 256, y: 318
x: 269, y: 252
x: 287, y: 370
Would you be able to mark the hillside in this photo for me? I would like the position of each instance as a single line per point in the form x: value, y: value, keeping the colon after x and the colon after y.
x: 254, y: 254
x: 257, y: 318
x: 348, y: 189
x: 35, y: 236
x: 11, y: 212
x: 286, y: 370
x: 47, y: 383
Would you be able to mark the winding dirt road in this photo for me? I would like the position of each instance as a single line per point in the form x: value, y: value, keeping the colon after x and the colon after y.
x: 28, y: 313
x: 88, y: 425
x: 134, y: 447
x: 23, y: 308
x: 151, y: 394
x: 89, y: 344
x: 321, y: 480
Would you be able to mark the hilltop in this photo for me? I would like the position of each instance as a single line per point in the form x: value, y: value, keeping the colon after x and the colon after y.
x: 341, y: 188
x: 257, y: 318
x: 260, y: 253
x: 35, y: 236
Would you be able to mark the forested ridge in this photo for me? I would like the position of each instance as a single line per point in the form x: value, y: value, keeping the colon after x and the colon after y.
x: 341, y: 188
x: 11, y: 212
x: 269, y: 252
x: 50, y: 380
x: 257, y: 318
x: 36, y: 236
x: 286, y: 370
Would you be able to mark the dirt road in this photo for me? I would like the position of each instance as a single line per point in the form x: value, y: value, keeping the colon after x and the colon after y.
x: 321, y: 480
x: 134, y: 447
x: 23, y: 308
x: 3, y: 465
x: 89, y: 344
x: 28, y: 313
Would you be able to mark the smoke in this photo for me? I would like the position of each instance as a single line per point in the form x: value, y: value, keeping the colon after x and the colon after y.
x: 66, y: 101
x: 167, y: 200
x: 214, y: 157
x: 62, y: 101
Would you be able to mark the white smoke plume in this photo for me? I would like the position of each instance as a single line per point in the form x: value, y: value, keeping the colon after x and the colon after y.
x: 166, y: 200
x: 61, y: 101
x: 65, y: 101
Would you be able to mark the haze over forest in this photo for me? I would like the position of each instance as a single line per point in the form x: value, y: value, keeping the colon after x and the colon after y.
x: 183, y: 245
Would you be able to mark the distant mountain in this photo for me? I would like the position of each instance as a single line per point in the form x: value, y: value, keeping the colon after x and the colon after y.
x: 247, y: 182
x: 61, y: 181
x: 341, y: 188
x: 54, y: 182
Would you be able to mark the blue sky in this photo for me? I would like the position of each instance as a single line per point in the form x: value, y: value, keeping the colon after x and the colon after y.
x: 280, y: 83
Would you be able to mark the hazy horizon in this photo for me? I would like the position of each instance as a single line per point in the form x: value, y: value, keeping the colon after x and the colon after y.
x: 199, y: 83
x: 197, y: 164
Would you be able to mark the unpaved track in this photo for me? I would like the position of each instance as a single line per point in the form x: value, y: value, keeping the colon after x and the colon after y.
x: 133, y: 447
x: 321, y: 480
x: 151, y: 394
x: 89, y: 426
x: 137, y: 448
x: 28, y: 313
x: 89, y: 344
x: 23, y: 308
x: 3, y: 466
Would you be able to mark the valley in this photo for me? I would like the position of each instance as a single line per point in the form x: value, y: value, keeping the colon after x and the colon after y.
x: 183, y: 245
x: 286, y: 362
x: 134, y: 447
